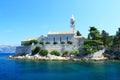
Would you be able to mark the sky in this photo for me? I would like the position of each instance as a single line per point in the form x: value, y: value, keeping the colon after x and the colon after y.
x: 21, y: 19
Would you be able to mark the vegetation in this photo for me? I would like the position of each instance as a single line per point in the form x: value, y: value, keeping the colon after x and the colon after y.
x: 116, y: 40
x: 69, y: 42
x: 93, y: 42
x: 65, y: 54
x: 106, y: 39
x: 27, y: 43
x: 55, y: 42
x: 36, y: 50
x: 43, y: 52
x: 54, y: 52
x: 42, y: 43
x: 47, y: 43
x: 78, y: 33
x: 62, y: 42
x: 75, y: 52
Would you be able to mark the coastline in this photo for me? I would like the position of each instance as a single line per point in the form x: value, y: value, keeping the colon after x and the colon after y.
x: 55, y: 58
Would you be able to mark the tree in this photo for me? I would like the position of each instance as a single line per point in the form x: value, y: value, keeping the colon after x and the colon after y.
x: 94, y: 34
x: 93, y: 42
x: 47, y: 42
x: 42, y: 43
x: 55, y: 42
x: 78, y: 33
x: 106, y: 39
x: 65, y: 54
x: 54, y: 52
x: 36, y: 50
x: 116, y: 40
x: 75, y: 52
x: 43, y: 52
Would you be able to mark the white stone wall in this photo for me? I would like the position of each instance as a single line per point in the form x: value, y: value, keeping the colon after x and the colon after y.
x: 23, y: 49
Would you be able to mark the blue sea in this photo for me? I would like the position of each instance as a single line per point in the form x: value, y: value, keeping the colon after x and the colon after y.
x: 57, y: 70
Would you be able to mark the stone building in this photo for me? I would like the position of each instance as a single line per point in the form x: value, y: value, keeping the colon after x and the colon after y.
x: 65, y: 41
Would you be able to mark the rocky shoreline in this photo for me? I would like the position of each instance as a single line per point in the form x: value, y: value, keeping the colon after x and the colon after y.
x: 55, y: 58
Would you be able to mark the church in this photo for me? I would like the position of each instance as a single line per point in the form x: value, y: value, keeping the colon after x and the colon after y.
x: 60, y: 41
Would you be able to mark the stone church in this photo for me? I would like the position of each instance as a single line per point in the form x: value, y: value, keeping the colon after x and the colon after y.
x: 65, y: 41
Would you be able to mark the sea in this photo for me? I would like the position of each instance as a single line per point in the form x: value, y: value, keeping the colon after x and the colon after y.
x: 11, y: 69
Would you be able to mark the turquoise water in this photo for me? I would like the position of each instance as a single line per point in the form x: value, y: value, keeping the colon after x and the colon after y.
x: 34, y: 70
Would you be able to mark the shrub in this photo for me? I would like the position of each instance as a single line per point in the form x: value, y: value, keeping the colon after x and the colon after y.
x: 34, y: 41
x: 65, y: 54
x: 26, y: 43
x: 42, y: 43
x: 69, y: 42
x: 36, y: 50
x: 54, y: 52
x: 62, y: 42
x: 55, y: 43
x: 47, y: 43
x: 43, y: 52
x: 75, y: 52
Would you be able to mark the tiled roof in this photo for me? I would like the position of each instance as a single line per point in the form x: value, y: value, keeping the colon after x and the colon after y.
x: 28, y: 39
x: 51, y: 33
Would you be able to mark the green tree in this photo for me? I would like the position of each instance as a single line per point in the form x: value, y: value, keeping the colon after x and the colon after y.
x: 106, y: 39
x: 65, y: 54
x: 94, y: 41
x: 42, y: 43
x: 62, y: 42
x: 55, y: 42
x: 94, y: 34
x: 36, y: 50
x: 75, y: 52
x: 116, y: 40
x: 54, y: 52
x: 47, y: 42
x: 78, y: 33
x: 43, y: 52
x: 34, y: 41
x: 25, y: 43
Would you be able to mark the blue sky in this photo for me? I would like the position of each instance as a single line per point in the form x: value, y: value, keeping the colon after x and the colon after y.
x: 21, y: 19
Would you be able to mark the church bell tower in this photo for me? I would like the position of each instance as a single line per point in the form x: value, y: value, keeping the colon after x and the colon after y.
x: 72, y: 24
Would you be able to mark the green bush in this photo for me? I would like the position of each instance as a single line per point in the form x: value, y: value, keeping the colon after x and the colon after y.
x: 55, y: 43
x: 65, y: 54
x: 47, y: 43
x: 36, y: 50
x: 26, y: 43
x: 54, y: 52
x: 62, y: 42
x: 75, y: 52
x: 43, y: 52
x: 34, y: 41
x: 42, y: 43
x: 69, y: 42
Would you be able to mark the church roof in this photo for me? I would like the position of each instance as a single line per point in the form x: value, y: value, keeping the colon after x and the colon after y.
x: 54, y: 33
x: 29, y: 39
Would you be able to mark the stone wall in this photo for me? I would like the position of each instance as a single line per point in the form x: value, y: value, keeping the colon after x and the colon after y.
x: 23, y: 50
x: 50, y: 47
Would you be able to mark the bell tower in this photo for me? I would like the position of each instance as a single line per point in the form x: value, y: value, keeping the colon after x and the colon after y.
x: 72, y: 24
